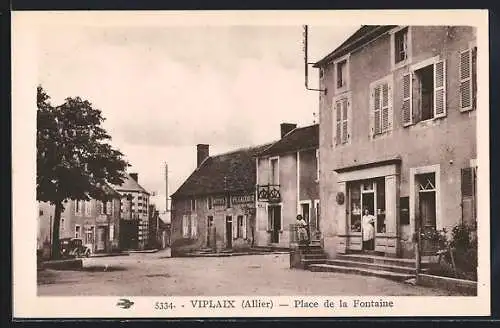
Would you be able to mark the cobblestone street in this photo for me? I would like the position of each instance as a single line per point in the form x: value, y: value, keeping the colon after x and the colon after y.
x: 156, y: 275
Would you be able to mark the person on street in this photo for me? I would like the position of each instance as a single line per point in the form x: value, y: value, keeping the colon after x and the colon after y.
x: 368, y: 222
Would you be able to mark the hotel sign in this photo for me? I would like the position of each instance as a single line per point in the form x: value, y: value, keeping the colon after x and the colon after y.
x: 242, y: 199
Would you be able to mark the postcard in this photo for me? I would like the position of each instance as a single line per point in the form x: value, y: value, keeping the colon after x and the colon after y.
x: 250, y: 164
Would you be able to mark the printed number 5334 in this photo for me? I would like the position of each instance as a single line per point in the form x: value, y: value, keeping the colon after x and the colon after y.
x: 164, y: 306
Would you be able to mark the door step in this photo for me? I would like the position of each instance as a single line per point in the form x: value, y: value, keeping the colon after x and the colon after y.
x: 361, y: 271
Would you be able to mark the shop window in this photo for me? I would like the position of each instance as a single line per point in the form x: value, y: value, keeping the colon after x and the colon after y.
x: 367, y: 195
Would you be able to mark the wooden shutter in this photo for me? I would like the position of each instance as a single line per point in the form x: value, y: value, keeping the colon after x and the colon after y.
x: 440, y: 89
x: 474, y: 78
x: 376, y: 110
x: 194, y: 225
x: 407, y: 111
x: 108, y: 207
x: 185, y: 226
x: 338, y: 124
x: 270, y: 219
x: 385, y: 107
x: 345, y: 133
x: 465, y: 73
x: 468, y: 194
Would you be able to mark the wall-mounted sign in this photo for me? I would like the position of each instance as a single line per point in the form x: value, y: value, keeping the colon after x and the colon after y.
x: 340, y: 198
x: 242, y: 199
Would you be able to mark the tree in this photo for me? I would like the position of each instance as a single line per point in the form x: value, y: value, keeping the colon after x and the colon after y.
x: 74, y: 159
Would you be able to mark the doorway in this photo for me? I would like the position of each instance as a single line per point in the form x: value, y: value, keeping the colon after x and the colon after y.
x: 368, y: 203
x: 210, y: 231
x: 101, y: 239
x: 274, y: 221
x: 229, y: 231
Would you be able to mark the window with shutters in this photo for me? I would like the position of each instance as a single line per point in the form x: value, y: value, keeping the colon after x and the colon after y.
x: 193, y: 204
x: 381, y: 106
x: 342, y: 114
x: 87, y: 208
x: 424, y: 92
x: 210, y: 202
x: 468, y: 79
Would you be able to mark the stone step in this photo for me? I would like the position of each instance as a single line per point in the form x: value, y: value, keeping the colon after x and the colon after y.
x: 361, y: 271
x: 307, y: 262
x: 372, y: 266
x: 376, y: 259
x: 314, y: 256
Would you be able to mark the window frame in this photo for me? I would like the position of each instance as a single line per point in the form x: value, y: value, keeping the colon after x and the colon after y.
x: 346, y: 78
x: 414, y: 172
x: 392, y: 33
x: 79, y: 231
x: 271, y: 173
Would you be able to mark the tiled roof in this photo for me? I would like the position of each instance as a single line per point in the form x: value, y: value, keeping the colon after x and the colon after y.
x: 129, y: 184
x: 229, y: 172
x: 364, y: 34
x: 299, y: 138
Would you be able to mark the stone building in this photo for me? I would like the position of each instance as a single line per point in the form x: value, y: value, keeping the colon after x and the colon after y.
x: 397, y: 135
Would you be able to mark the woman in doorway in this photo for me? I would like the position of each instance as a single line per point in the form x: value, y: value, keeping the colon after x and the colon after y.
x: 301, y: 229
x: 368, y: 222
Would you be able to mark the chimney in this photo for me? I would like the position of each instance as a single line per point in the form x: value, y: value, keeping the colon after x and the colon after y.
x: 202, y: 152
x: 134, y: 176
x: 286, y: 127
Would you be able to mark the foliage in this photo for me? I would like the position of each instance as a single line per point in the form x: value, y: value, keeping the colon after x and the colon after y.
x: 74, y: 158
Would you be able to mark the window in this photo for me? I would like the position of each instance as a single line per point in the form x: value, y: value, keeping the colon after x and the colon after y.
x: 77, y: 231
x: 89, y: 235
x: 367, y: 195
x: 111, y: 232
x: 274, y: 178
x: 426, y: 186
x: 40, y: 212
x: 228, y: 201
x: 210, y: 202
x: 193, y: 204
x: 341, y: 74
x: 194, y: 226
x: 78, y: 207
x: 424, y: 92
x: 468, y: 79
x: 61, y: 227
x: 305, y: 211
x: 401, y: 45
x: 102, y: 208
x: 381, y: 106
x: 185, y: 226
x: 341, y: 121
x: 87, y: 207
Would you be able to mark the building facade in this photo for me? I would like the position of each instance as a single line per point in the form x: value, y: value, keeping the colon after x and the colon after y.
x: 134, y: 213
x: 398, y: 135
x: 94, y: 221
x: 288, y: 184
x: 215, y: 207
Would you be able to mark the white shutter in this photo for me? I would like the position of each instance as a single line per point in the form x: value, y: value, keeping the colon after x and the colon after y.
x: 108, y: 207
x: 465, y: 73
x: 377, y: 110
x: 245, y: 218
x: 385, y: 107
x: 390, y: 113
x: 194, y: 225
x: 440, y: 89
x: 185, y: 226
x: 338, y: 122
x: 406, y: 110
x: 345, y: 132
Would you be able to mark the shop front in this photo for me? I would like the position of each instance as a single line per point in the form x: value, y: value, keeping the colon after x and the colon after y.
x: 367, y: 201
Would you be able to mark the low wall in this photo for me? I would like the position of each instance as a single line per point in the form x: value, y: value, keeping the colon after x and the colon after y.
x: 70, y: 264
x: 462, y: 286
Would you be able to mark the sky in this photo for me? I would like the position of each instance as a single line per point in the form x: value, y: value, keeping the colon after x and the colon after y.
x: 163, y: 90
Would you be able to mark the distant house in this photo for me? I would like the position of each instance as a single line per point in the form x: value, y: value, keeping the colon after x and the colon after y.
x: 134, y: 213
x: 96, y: 222
x: 288, y: 184
x: 215, y: 207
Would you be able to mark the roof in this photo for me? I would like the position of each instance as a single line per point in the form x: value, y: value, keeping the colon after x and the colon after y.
x: 228, y: 172
x: 297, y: 139
x: 129, y: 184
x: 109, y: 191
x: 363, y: 35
